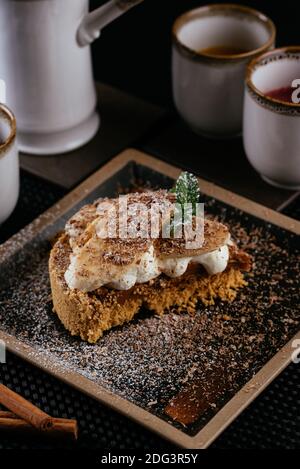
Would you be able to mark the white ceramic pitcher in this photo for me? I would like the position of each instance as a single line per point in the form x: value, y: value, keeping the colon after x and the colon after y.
x: 45, y: 60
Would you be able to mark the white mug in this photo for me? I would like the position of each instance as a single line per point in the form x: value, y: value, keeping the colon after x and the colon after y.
x: 9, y: 163
x: 271, y: 124
x: 208, y: 85
x: 46, y: 64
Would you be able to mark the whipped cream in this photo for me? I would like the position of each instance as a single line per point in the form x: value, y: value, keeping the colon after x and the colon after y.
x: 97, y: 260
x: 214, y: 262
x: 147, y: 269
x: 150, y: 267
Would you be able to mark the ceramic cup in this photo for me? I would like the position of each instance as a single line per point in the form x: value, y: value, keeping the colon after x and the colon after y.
x: 208, y: 87
x: 272, y: 125
x: 9, y: 163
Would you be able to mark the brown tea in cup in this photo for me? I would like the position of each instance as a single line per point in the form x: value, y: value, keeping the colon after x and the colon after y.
x: 224, y: 51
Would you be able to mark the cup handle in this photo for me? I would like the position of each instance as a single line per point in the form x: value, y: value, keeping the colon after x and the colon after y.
x: 92, y: 23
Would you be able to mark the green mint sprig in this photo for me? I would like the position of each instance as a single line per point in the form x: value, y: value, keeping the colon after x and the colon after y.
x: 187, y: 191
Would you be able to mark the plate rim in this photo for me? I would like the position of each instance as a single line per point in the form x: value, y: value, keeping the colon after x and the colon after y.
x: 242, y: 398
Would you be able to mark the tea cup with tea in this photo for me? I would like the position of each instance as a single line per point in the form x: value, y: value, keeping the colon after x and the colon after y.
x: 212, y: 46
x: 272, y: 117
x: 9, y: 163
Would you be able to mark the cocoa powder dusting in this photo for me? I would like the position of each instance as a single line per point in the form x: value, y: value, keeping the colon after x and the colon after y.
x: 153, y: 360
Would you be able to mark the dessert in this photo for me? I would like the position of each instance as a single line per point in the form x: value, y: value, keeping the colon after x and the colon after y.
x: 101, y: 279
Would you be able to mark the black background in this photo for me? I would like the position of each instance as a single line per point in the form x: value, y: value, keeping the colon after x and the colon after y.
x: 134, y: 53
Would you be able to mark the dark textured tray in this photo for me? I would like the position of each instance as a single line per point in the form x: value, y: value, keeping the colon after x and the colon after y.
x: 154, y: 361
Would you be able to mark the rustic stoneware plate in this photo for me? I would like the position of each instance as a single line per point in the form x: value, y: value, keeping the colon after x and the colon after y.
x: 184, y: 377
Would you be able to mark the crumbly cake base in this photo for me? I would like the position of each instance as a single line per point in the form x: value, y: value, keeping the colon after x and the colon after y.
x: 89, y: 315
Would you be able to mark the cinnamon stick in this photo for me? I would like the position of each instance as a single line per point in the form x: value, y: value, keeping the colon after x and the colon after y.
x: 24, y: 409
x: 61, y: 427
x: 6, y: 414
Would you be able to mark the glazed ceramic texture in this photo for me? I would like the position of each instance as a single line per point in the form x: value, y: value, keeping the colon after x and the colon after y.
x: 208, y: 88
x: 46, y: 64
x: 271, y: 127
x: 9, y: 163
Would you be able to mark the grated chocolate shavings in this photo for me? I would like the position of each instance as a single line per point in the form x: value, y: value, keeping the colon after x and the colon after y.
x: 181, y: 368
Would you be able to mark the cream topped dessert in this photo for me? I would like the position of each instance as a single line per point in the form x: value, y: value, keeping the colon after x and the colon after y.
x: 120, y: 264
x: 152, y: 250
x: 145, y: 269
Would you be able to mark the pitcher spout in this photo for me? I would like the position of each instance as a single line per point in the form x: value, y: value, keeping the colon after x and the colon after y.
x: 92, y: 24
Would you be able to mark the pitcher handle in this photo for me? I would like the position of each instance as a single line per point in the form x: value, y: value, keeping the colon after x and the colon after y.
x: 92, y: 23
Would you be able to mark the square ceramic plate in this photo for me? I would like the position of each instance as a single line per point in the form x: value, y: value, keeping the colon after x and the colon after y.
x: 185, y: 377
